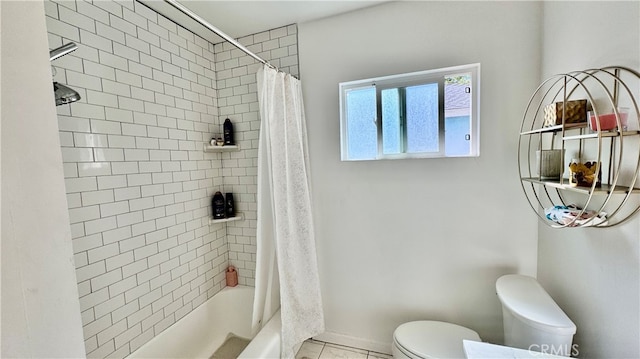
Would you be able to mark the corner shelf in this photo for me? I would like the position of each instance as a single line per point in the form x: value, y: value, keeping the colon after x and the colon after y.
x: 237, y: 217
x: 214, y: 149
x: 603, y: 89
x: 228, y: 148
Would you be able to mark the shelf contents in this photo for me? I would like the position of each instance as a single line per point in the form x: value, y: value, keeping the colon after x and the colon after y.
x: 231, y: 276
x: 223, y: 207
x: 575, y: 112
x: 229, y: 206
x: 227, y: 127
x: 549, y: 163
x: 583, y: 174
x: 217, y: 204
x: 573, y: 216
x: 609, y: 121
x: 216, y: 141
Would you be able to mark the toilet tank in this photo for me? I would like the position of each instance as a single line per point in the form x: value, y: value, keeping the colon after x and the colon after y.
x: 532, y: 320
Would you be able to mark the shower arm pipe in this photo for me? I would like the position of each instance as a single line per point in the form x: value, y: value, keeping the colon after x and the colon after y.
x: 62, y: 50
x: 217, y: 31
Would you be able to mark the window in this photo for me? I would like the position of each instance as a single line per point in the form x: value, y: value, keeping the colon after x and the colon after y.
x: 423, y: 114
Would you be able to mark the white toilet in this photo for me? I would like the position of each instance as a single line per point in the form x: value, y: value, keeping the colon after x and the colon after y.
x: 430, y: 339
x: 532, y: 320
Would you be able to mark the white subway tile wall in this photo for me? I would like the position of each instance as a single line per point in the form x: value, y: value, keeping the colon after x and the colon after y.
x: 139, y: 185
x: 238, y: 101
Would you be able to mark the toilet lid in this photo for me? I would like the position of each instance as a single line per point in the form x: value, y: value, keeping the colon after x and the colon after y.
x: 432, y: 339
x: 525, y: 298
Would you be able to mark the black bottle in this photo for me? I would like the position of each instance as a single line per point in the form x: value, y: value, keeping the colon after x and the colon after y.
x: 217, y: 204
x: 227, y: 129
x: 230, y: 208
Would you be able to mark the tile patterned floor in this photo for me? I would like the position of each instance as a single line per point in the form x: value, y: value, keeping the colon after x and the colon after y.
x: 314, y: 349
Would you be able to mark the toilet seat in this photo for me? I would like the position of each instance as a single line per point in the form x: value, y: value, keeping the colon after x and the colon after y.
x: 432, y: 339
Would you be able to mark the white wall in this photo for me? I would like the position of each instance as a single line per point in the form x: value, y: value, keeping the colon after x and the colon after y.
x: 420, y: 239
x: 40, y: 308
x: 594, y: 274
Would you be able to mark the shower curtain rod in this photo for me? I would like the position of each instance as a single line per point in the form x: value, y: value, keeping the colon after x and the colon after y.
x: 217, y: 31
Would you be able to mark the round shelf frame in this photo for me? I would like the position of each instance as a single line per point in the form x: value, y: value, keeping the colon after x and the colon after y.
x: 601, y: 88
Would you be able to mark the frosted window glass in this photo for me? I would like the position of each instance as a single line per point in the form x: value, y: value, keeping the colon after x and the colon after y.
x: 361, y: 127
x: 422, y: 118
x: 391, y: 130
x: 456, y: 130
x: 426, y: 114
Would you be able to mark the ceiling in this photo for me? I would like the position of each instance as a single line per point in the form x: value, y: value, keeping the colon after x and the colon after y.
x: 239, y: 18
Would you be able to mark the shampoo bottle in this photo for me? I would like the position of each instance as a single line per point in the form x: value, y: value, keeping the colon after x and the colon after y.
x: 217, y: 204
x: 230, y: 208
x: 227, y: 129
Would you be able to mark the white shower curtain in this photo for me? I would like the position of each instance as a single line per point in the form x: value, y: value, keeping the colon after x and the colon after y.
x: 286, y: 253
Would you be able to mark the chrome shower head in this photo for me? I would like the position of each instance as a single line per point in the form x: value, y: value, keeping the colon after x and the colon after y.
x: 64, y: 94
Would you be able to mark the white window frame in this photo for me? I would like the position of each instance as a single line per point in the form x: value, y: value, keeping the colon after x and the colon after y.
x: 412, y: 79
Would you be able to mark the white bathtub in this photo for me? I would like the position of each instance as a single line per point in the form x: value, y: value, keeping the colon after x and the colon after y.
x: 202, y: 331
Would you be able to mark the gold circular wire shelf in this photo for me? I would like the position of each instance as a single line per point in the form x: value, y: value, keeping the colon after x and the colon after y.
x: 601, y: 87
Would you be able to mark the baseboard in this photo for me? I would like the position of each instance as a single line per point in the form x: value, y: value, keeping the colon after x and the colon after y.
x: 354, y: 342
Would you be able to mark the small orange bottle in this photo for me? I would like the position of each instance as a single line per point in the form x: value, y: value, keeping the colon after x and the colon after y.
x: 232, y: 276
